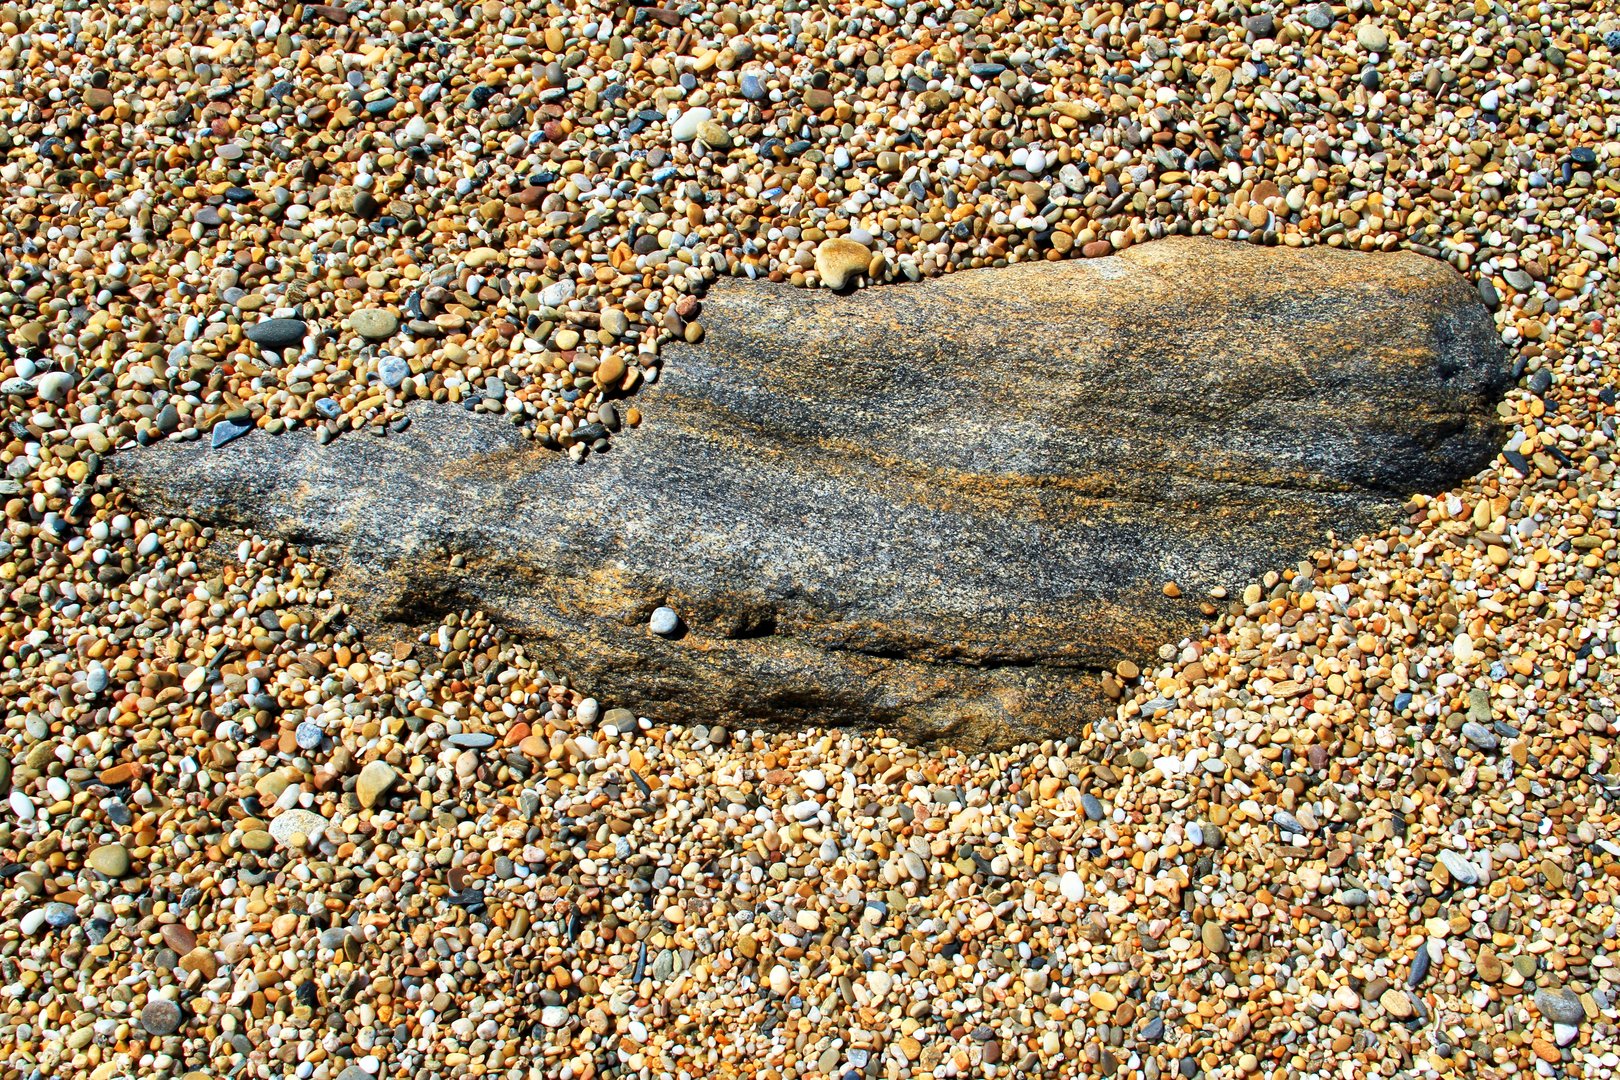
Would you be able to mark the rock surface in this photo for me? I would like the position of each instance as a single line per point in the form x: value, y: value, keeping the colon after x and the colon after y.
x: 944, y: 507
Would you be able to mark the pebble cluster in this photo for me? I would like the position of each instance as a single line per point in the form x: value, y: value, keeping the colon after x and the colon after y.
x: 1366, y: 825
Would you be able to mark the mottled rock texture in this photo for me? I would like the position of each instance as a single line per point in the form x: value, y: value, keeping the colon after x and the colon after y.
x: 943, y: 507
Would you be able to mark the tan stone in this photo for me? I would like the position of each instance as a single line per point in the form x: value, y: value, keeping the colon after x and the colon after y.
x: 839, y: 261
x: 373, y: 782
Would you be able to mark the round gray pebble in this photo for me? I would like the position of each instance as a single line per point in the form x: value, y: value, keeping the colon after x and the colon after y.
x: 160, y: 1017
x: 664, y: 622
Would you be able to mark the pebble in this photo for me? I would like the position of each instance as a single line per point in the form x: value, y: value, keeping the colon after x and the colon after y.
x: 713, y: 135
x: 393, y: 371
x: 111, y: 860
x: 226, y: 431
x: 558, y: 294
x: 841, y: 261
x: 294, y: 823
x: 1372, y: 37
x: 664, y: 622
x: 374, y: 324
x: 53, y: 386
x: 1072, y: 886
x: 1420, y: 968
x: 1461, y: 869
x: 160, y: 1017
x: 59, y: 916
x: 277, y: 333
x: 1560, y: 1006
x: 686, y: 126
x: 620, y: 720
x: 374, y: 782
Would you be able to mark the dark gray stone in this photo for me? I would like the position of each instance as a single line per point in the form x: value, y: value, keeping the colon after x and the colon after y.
x: 1420, y: 968
x: 277, y: 333
x: 1560, y: 1005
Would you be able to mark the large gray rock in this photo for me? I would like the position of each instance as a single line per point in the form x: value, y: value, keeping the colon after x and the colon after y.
x: 943, y: 507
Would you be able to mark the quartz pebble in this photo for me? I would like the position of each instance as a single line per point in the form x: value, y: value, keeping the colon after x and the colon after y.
x: 53, y: 386
x: 1072, y: 886
x: 689, y: 123
x: 277, y: 333
x: 295, y: 823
